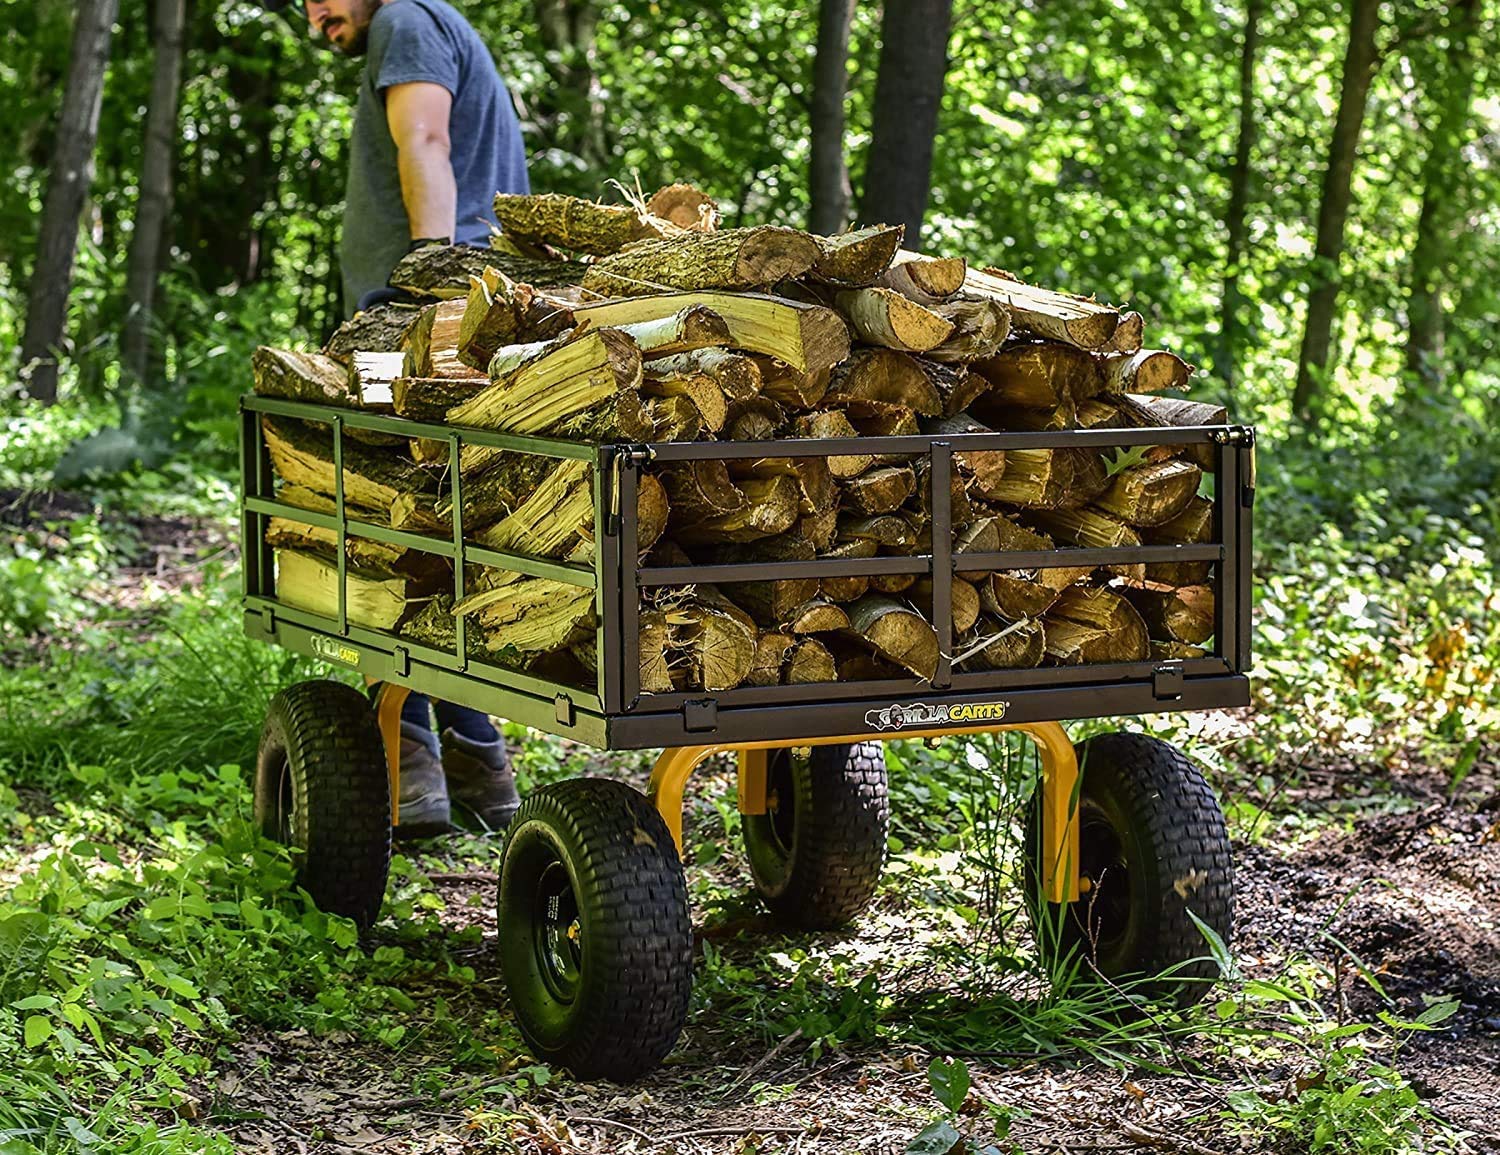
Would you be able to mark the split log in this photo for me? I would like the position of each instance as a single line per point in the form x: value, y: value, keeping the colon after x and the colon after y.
x: 1151, y: 494
x: 444, y: 271
x: 431, y: 344
x: 771, y: 507
x: 364, y: 553
x: 858, y: 258
x: 715, y: 647
x: 831, y: 423
x: 428, y: 451
x: 655, y: 642
x: 496, y: 492
x: 1150, y: 411
x: 735, y: 375
x: 1079, y: 321
x: 430, y: 398
x: 1098, y: 413
x: 820, y: 528
x: 1048, y: 478
x: 855, y: 663
x: 372, y: 377
x: 492, y: 316
x: 960, y: 509
x: 376, y: 600
x: 376, y: 330
x: 872, y: 379
x: 809, y: 338
x: 1089, y: 528
x: 300, y: 455
x: 895, y: 632
x: 554, y: 519
x: 884, y: 317
x: 771, y: 653
x: 674, y: 419
x: 994, y: 644
x: 753, y: 419
x: 750, y: 258
x: 530, y: 615
x: 701, y: 489
x: 685, y: 206
x: 1094, y: 624
x: 880, y: 490
x: 817, y: 615
x: 705, y: 396
x: 1015, y: 594
x: 964, y: 606
x: 1015, y: 419
x: 890, y: 530
x: 808, y: 662
x: 583, y: 386
x: 1184, y: 614
x: 814, y: 481
x: 847, y: 589
x: 1037, y: 375
x: 1144, y: 371
x: 770, y: 603
x: 892, y: 583
x: 925, y: 279
x: 294, y: 376
x: 695, y: 327
x: 1193, y: 526
x: 985, y: 466
x: 583, y: 226
x: 980, y: 327
x: 1128, y: 334
x: 792, y: 387
x: 1175, y: 651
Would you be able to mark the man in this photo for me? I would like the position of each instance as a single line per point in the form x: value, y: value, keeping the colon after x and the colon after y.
x: 435, y: 137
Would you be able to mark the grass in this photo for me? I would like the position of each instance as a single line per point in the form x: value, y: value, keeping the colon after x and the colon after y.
x: 144, y: 926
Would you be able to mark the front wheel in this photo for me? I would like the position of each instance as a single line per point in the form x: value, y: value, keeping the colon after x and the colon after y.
x: 817, y: 852
x: 322, y: 788
x: 595, y: 941
x: 1152, y: 847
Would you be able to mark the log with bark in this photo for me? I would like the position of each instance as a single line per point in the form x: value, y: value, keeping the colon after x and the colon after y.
x: 750, y: 258
x: 443, y: 272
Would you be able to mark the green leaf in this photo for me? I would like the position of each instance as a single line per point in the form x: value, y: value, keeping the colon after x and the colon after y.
x: 1217, y: 948
x: 935, y: 1139
x: 38, y: 1030
x: 950, y: 1082
x: 34, y: 1003
x: 1438, y: 1012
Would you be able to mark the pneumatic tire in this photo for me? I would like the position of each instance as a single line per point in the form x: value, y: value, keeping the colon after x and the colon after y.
x: 322, y: 788
x: 817, y: 853
x: 1152, y: 847
x: 595, y: 940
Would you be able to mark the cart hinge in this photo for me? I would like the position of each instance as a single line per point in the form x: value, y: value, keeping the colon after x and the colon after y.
x: 633, y: 455
x: 1235, y: 435
x: 700, y: 715
x: 1166, y: 682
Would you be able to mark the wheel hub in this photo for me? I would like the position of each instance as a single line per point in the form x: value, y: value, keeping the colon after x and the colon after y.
x: 558, y: 934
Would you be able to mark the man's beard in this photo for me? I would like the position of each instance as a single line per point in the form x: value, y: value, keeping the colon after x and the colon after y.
x: 359, y: 19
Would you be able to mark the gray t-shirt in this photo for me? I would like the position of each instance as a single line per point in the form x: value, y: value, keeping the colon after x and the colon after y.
x: 425, y: 40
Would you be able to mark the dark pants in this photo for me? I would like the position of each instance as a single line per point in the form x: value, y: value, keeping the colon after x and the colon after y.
x: 418, y: 710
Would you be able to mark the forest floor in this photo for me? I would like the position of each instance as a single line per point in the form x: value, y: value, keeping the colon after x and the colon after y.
x: 1366, y: 893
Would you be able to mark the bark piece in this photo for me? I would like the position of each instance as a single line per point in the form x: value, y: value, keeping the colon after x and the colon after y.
x: 884, y: 317
x: 858, y: 258
x: 895, y: 632
x: 1075, y: 320
x: 748, y: 258
x: 809, y: 338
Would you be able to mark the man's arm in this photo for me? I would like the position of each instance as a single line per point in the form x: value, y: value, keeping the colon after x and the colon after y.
x: 418, y: 116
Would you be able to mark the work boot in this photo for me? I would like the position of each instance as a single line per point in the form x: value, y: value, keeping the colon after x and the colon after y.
x: 480, y: 781
x: 424, y: 788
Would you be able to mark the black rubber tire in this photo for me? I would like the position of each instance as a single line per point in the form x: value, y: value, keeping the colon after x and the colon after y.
x: 817, y: 853
x: 596, y: 946
x: 1153, y: 845
x: 321, y: 787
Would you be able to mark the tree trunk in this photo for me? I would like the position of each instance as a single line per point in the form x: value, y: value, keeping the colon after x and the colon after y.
x: 1442, y: 179
x: 828, y: 176
x: 568, y: 29
x: 1239, y: 199
x: 155, y: 203
x: 908, y: 97
x: 68, y: 181
x: 1360, y: 62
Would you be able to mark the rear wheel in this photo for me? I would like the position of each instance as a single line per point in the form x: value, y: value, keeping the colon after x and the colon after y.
x: 595, y: 942
x: 1152, y: 847
x: 321, y: 788
x: 817, y: 853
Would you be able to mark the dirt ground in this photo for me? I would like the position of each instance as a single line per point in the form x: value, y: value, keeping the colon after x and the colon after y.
x: 1415, y: 896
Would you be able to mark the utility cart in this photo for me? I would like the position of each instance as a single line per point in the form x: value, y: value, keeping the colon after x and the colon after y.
x: 594, y: 935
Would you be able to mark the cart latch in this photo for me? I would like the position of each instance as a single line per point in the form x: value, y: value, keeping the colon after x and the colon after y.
x: 635, y: 456
x: 562, y: 710
x: 700, y: 715
x: 1166, y: 681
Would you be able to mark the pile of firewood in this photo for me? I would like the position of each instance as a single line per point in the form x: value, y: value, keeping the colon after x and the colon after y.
x: 633, y: 323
